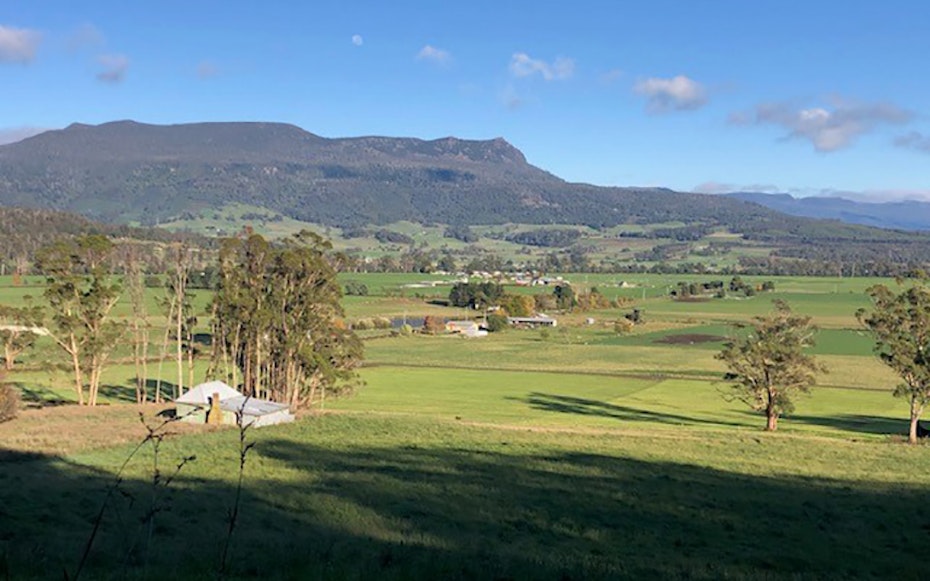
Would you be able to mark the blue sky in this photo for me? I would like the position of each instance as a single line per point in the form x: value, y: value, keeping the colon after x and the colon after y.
x: 696, y: 95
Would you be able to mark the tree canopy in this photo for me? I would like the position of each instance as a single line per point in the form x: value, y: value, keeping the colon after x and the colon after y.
x: 277, y: 320
x: 900, y: 323
x: 81, y: 293
x: 768, y: 365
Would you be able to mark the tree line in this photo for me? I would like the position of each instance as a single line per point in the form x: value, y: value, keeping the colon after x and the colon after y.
x: 275, y: 317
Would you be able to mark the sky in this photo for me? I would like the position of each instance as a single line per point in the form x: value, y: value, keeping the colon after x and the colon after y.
x: 811, y: 98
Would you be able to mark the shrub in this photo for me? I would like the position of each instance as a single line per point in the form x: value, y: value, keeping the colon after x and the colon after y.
x: 382, y: 323
x: 623, y: 326
x: 356, y: 288
x: 496, y: 323
x: 152, y: 281
x: 433, y: 325
x: 9, y: 402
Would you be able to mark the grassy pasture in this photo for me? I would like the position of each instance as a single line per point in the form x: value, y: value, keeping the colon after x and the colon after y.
x: 361, y: 496
x: 581, y: 454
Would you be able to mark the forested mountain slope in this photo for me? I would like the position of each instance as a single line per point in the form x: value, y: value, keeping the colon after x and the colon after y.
x: 127, y: 171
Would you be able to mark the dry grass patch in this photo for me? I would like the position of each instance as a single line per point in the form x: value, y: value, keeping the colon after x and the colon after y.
x: 68, y: 429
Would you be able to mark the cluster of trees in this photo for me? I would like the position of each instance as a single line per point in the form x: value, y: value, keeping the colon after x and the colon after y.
x: 277, y: 320
x: 277, y: 325
x: 23, y: 232
x: 480, y: 295
x: 546, y: 237
x: 390, y: 237
x: 662, y: 259
x: 476, y: 295
x: 356, y: 288
x: 461, y: 232
x: 719, y: 289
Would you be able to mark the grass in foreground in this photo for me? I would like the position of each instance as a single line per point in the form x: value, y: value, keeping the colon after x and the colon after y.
x: 397, y: 497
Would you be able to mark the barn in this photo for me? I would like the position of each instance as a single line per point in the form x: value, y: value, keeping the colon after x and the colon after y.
x: 195, y: 405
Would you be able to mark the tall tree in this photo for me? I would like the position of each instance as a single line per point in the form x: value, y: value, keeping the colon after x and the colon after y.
x: 768, y: 365
x: 900, y: 323
x: 277, y: 320
x: 139, y: 323
x: 81, y: 293
x: 179, y: 318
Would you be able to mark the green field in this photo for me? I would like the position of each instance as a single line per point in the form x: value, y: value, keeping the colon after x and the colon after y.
x: 572, y: 454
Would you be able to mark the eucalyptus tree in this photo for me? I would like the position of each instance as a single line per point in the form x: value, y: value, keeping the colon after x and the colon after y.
x: 277, y: 320
x: 768, y: 365
x: 900, y: 323
x: 139, y: 322
x: 81, y: 294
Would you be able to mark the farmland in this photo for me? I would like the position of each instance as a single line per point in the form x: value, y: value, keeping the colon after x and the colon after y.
x: 571, y: 453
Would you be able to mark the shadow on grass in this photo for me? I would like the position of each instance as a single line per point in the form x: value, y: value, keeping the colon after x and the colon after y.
x: 119, y: 393
x: 590, y: 407
x: 38, y: 396
x: 167, y: 389
x: 857, y: 423
x: 401, y: 512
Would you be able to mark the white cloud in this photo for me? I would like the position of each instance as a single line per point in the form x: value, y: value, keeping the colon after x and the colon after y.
x: 521, y: 65
x: 914, y: 140
x: 18, y: 45
x: 114, y: 68
x: 675, y: 94
x: 357, y: 40
x: 14, y: 134
x: 827, y: 128
x: 433, y: 54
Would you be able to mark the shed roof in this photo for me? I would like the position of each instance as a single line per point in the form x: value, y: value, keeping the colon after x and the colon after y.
x: 249, y: 406
x: 201, y: 394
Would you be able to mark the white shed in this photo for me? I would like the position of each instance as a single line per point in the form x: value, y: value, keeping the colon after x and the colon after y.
x: 193, y: 406
x: 256, y: 412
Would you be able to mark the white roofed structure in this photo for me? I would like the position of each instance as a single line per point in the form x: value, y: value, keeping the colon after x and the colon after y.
x: 194, y: 406
x: 201, y: 394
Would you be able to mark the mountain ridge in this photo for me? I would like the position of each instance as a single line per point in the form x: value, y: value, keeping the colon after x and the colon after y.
x: 128, y: 171
x: 904, y: 214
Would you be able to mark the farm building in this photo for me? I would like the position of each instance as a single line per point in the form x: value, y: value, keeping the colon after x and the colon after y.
x: 196, y: 405
x: 466, y: 328
x: 537, y: 321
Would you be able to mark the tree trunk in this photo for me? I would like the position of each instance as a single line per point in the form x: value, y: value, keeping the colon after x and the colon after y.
x: 772, y: 423
x: 771, y: 413
x: 915, y: 418
x: 78, y: 379
x: 179, y: 391
x: 9, y: 357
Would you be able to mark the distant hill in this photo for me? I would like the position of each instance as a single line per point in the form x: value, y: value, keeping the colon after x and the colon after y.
x: 906, y: 215
x: 25, y: 230
x: 126, y: 171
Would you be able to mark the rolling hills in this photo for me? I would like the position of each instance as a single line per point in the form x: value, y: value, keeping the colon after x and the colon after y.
x: 125, y: 172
